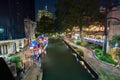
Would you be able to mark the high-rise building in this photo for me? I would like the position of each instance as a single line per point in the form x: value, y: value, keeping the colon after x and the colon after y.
x: 44, y: 12
x: 29, y: 9
x: 12, y: 31
x: 12, y: 14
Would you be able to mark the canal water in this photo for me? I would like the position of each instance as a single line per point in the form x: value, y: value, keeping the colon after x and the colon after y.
x: 60, y: 64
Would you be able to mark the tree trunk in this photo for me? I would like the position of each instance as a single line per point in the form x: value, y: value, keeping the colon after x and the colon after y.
x: 81, y: 33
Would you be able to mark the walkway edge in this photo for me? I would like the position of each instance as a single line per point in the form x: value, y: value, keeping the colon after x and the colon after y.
x: 101, y: 65
x: 90, y: 67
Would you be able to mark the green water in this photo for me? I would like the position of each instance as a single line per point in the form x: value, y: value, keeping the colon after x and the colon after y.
x: 60, y: 64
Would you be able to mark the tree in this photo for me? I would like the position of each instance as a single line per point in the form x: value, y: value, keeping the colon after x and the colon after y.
x: 77, y: 12
x: 15, y: 59
x: 116, y: 38
x: 45, y: 25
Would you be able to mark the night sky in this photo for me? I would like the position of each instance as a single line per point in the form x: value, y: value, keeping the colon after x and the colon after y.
x: 40, y: 5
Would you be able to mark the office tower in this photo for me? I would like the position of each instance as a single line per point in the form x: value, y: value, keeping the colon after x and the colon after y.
x: 12, y: 14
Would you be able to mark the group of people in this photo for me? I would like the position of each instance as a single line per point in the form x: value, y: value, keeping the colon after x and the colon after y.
x: 39, y: 49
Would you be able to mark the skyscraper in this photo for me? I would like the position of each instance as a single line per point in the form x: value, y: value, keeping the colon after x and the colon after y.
x: 12, y: 31
x: 12, y: 14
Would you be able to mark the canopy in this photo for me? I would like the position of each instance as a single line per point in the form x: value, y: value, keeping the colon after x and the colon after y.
x: 33, y: 43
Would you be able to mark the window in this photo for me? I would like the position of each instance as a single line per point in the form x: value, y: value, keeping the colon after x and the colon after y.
x: 3, y: 49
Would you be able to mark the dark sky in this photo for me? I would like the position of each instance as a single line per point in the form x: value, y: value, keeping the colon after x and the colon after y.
x: 102, y: 2
x: 40, y: 5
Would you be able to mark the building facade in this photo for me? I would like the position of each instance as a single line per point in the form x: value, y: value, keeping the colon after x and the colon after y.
x: 12, y: 14
x: 114, y: 22
x: 12, y: 31
x: 29, y: 28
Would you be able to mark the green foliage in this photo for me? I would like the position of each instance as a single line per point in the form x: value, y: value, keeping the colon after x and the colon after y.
x: 78, y: 42
x: 99, y: 54
x: 92, y: 47
x: 116, y: 38
x: 15, y: 59
x: 77, y: 12
x: 98, y: 50
x: 71, y: 39
x: 106, y: 58
x: 80, y: 52
x: 10, y: 55
x: 84, y: 44
x: 45, y: 25
x: 74, y: 47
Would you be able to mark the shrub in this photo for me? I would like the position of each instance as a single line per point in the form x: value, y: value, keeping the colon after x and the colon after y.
x: 11, y: 54
x: 99, y: 54
x: 78, y: 42
x: 99, y: 47
x: 98, y: 50
x: 92, y: 47
x: 71, y: 39
x: 80, y: 52
x: 84, y: 44
x: 16, y: 60
x: 74, y: 47
x: 106, y: 58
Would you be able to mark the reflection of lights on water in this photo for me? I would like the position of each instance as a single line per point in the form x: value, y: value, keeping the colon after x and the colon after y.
x: 83, y: 64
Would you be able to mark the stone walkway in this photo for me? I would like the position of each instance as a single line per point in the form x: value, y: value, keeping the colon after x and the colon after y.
x: 95, y: 63
x: 33, y: 72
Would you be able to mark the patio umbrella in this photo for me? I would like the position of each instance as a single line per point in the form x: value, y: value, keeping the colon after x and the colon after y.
x: 33, y: 44
x: 40, y: 39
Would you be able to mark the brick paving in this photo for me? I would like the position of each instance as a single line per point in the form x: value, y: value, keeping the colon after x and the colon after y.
x: 95, y: 63
x: 34, y: 73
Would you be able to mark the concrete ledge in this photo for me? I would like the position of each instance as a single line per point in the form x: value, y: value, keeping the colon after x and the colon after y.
x: 13, y: 40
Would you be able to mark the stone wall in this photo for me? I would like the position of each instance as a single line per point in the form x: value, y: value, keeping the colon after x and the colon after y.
x: 114, y: 22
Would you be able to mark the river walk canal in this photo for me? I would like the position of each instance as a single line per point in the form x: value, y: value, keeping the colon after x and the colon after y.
x: 60, y: 64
